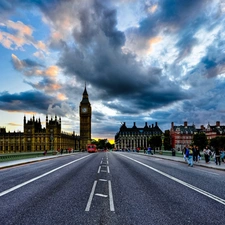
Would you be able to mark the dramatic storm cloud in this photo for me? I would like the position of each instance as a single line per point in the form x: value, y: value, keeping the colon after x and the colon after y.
x: 142, y: 61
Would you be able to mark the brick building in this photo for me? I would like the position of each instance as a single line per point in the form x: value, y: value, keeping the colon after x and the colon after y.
x: 182, y: 135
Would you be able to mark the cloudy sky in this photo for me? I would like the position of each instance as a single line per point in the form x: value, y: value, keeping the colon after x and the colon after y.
x: 142, y: 60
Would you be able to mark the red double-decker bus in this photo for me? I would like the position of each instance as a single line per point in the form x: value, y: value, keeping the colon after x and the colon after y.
x: 91, y: 148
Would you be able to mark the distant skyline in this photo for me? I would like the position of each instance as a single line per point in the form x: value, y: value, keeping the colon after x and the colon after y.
x: 143, y: 61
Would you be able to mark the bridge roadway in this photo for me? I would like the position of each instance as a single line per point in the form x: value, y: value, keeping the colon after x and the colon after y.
x: 111, y: 188
x: 165, y: 157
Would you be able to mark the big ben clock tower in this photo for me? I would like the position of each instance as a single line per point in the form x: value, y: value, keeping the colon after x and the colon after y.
x: 85, y: 120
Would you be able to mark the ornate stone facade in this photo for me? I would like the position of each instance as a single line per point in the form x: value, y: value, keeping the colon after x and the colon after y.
x: 35, y: 138
x: 132, y: 138
x: 85, y: 120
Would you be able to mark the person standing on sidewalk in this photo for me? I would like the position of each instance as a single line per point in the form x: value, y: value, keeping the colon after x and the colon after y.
x: 198, y: 153
x: 184, y: 153
x: 195, y: 154
x: 217, y: 156
x: 207, y: 153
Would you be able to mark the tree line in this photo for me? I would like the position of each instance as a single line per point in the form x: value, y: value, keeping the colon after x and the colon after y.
x: 199, y: 139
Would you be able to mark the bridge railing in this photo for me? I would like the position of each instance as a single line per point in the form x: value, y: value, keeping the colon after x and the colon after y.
x: 24, y: 155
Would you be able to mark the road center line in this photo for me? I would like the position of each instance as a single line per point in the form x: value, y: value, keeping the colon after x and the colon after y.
x: 214, y: 197
x: 101, y: 195
x: 108, y: 169
x: 36, y: 178
x: 111, y: 204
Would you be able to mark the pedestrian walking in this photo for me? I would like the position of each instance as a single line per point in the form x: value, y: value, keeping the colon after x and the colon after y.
x: 189, y: 156
x: 217, y: 156
x: 150, y: 150
x: 222, y: 155
x: 45, y: 152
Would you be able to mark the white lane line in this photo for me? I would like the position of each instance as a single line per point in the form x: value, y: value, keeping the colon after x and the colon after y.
x: 101, y: 195
x: 214, y: 197
x: 99, y: 168
x: 102, y: 180
x: 91, y: 196
x: 36, y: 178
x: 111, y: 204
x: 108, y: 169
x: 104, y: 171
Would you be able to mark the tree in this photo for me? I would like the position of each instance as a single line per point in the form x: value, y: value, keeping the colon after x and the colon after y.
x: 218, y: 142
x: 200, y: 140
x: 167, y: 140
x: 155, y: 141
x: 102, y: 143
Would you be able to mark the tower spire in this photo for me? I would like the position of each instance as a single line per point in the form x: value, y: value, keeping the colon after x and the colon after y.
x: 85, y: 95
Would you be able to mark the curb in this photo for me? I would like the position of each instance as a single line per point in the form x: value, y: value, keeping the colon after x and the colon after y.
x: 33, y: 161
x: 181, y: 161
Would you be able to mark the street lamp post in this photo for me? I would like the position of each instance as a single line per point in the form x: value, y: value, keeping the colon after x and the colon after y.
x: 162, y: 141
x: 51, y: 139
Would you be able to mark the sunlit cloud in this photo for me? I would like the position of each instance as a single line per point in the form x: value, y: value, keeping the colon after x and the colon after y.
x: 152, y: 9
x: 152, y: 42
x: 61, y: 97
x: 32, y: 68
x: 18, y: 36
x: 20, y: 27
x: 52, y: 71
x: 14, y: 124
x: 39, y: 55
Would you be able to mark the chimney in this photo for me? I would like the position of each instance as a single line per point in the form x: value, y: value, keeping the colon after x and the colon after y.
x: 172, y: 125
x: 202, y: 127
x: 146, y: 124
x: 156, y: 124
x: 218, y: 123
x: 134, y: 124
x: 185, y: 123
x: 152, y: 125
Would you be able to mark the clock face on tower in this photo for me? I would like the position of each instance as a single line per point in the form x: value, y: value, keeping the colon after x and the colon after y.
x: 83, y: 109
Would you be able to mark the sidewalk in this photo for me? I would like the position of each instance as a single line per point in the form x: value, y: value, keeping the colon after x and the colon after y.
x: 29, y: 160
x: 202, y: 163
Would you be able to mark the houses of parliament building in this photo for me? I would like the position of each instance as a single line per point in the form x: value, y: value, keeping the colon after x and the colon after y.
x: 35, y: 138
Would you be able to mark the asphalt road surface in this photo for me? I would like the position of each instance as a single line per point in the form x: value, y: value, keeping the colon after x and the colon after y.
x: 111, y: 188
